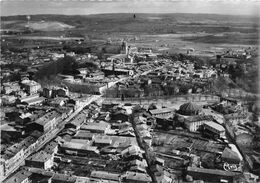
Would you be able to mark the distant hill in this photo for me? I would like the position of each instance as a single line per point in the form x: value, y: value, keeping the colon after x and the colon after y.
x: 36, y: 25
x: 144, y: 23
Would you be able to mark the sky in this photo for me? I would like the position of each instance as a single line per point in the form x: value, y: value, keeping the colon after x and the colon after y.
x: 85, y: 7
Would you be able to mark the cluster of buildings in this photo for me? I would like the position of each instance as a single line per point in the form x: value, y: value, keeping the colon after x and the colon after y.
x: 99, y: 144
x: 58, y: 134
x: 163, y: 78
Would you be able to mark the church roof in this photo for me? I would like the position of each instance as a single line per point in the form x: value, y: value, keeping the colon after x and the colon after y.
x: 190, y: 107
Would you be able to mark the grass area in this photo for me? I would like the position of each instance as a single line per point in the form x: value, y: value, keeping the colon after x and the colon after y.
x: 247, y: 39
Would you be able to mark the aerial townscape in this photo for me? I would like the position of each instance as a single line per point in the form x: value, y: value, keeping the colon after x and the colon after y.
x: 140, y: 98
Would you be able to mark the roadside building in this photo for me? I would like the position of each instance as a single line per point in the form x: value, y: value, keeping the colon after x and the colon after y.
x: 236, y: 118
x: 79, y: 149
x: 61, y: 92
x: 31, y: 99
x: 51, y: 148
x: 215, y: 130
x: 105, y: 175
x: 132, y: 150
x: 163, y: 177
x: 164, y: 112
x: 139, y: 163
x: 47, y: 92
x: 45, y: 123
x: 83, y: 134
x: 230, y: 156
x: 96, y: 127
x: 83, y: 70
x: 211, y: 175
x: 41, y: 160
x: 77, y: 122
x: 102, y: 142
x: 193, y: 123
x: 8, y: 131
x: 119, y: 115
x: 130, y: 176
x: 57, y: 102
x: 31, y: 87
x: 56, y: 56
x: 21, y: 176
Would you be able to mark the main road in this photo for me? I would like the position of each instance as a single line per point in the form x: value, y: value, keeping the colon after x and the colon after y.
x: 52, y: 134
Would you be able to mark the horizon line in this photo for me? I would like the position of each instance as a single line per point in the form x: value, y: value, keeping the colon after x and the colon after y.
x: 219, y: 14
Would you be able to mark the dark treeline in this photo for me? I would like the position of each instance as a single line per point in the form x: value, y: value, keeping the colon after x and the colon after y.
x: 66, y: 65
x: 198, y: 61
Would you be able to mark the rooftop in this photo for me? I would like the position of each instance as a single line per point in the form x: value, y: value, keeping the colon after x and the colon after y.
x: 78, y: 120
x: 47, y: 117
x: 105, y: 175
x: 40, y: 156
x: 215, y: 126
x: 212, y: 171
x: 160, y: 111
x: 78, y: 146
x: 199, y: 118
x: 84, y: 134
x: 19, y: 177
x: 134, y: 176
x: 190, y: 107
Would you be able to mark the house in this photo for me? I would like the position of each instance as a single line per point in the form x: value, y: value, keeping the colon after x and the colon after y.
x: 31, y: 87
x: 236, y: 118
x: 194, y: 122
x: 47, y: 92
x: 159, y: 161
x: 230, y: 156
x: 58, y: 101
x: 62, y: 178
x: 41, y: 160
x: 11, y: 87
x: 164, y: 123
x: 132, y: 150
x: 21, y: 176
x: 56, y: 56
x: 96, y: 127
x: 211, y: 175
x: 163, y: 177
x: 119, y: 115
x: 105, y: 175
x: 82, y: 134
x: 62, y: 92
x: 102, y: 142
x: 136, y: 177
x: 162, y: 112
x: 83, y: 70
x: 139, y: 163
x: 76, y: 122
x: 214, y: 129
x: 10, y: 132
x: 138, y: 169
x: 45, y: 123
x: 31, y: 99
x: 51, y: 148
x: 80, y: 149
x: 8, y: 99
x: 117, y: 71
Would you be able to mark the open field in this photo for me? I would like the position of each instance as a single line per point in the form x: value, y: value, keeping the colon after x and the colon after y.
x: 109, y: 25
x: 174, y: 33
